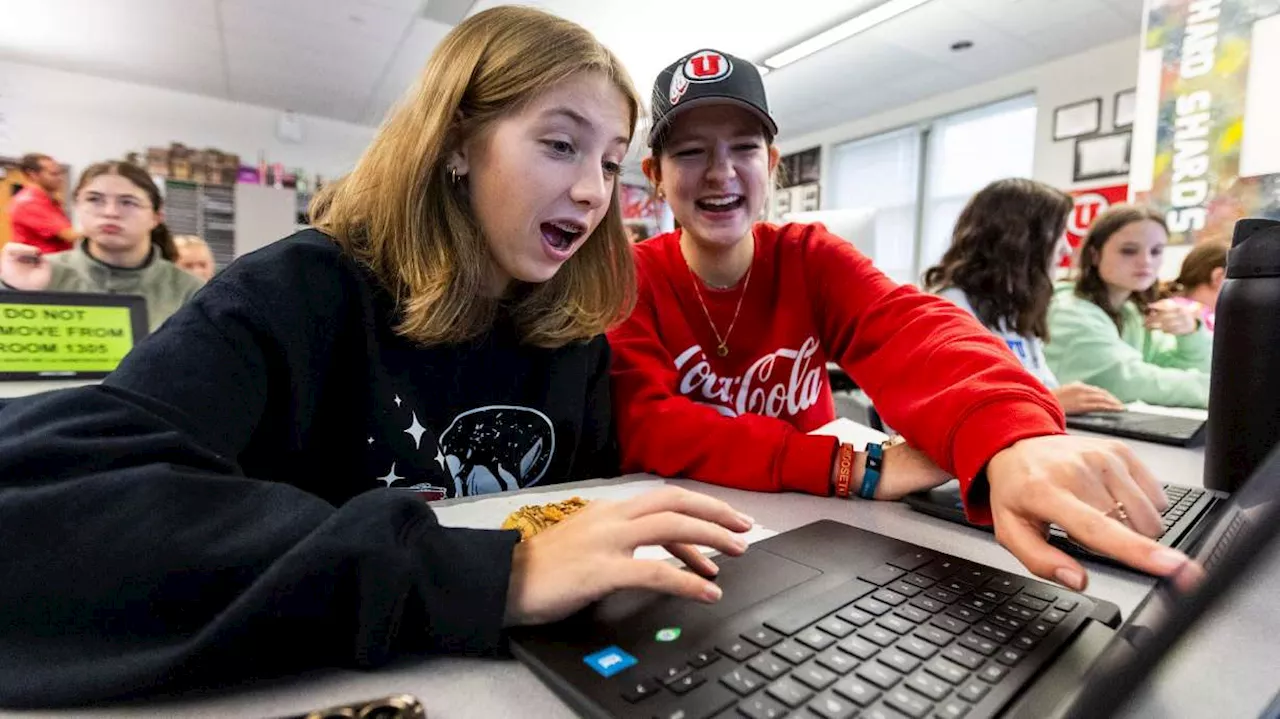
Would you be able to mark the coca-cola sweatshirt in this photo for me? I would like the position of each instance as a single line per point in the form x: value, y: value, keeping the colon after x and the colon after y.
x: 934, y: 374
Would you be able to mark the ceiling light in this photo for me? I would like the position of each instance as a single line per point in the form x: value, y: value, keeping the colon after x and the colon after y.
x: 845, y: 30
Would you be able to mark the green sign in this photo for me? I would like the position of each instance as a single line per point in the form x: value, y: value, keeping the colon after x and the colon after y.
x: 60, y: 339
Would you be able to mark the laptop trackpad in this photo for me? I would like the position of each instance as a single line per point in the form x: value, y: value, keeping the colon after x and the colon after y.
x: 746, y: 580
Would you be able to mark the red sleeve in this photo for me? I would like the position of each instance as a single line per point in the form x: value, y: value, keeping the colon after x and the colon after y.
x: 662, y: 432
x: 40, y: 219
x: 935, y: 375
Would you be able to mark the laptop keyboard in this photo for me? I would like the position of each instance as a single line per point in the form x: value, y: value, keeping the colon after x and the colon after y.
x: 1161, y: 425
x: 1174, y: 426
x: 924, y: 635
x: 1181, y: 500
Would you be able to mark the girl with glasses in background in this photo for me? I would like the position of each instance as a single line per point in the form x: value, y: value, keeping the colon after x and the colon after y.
x: 127, y: 250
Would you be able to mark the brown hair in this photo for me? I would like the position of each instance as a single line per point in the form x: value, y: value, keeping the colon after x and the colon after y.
x: 1000, y: 253
x: 399, y: 213
x: 30, y: 162
x: 160, y: 236
x: 1197, y: 267
x: 1089, y: 282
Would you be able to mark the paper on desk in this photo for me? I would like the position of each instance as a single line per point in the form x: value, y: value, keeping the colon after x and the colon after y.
x: 489, y: 513
x: 848, y: 431
x: 1188, y: 412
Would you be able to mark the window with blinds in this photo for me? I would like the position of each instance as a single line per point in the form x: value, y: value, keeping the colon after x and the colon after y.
x: 917, y: 179
x: 882, y: 173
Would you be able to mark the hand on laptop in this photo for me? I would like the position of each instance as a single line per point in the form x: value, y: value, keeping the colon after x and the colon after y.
x: 1078, y: 397
x: 23, y: 267
x: 589, y: 555
x: 1078, y: 483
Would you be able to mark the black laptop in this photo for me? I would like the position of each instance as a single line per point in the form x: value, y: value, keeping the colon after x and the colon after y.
x: 1146, y: 426
x: 834, y: 622
x: 1190, y: 512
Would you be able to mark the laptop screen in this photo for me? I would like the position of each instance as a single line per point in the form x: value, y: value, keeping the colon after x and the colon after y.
x: 1246, y: 528
x: 45, y: 335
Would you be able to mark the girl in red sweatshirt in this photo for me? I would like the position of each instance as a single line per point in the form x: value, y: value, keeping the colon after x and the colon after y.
x: 719, y: 374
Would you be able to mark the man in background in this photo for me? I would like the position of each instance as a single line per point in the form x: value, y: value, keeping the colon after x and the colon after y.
x: 36, y: 218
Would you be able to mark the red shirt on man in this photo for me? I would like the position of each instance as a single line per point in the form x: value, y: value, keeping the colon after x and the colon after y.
x: 37, y: 220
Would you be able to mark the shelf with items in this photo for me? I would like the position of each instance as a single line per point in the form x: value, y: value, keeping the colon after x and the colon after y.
x: 800, y: 183
x: 206, y: 211
x: 219, y: 212
x: 234, y: 208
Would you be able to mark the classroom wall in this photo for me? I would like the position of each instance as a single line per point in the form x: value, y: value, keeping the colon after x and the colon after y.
x: 1100, y: 72
x: 80, y: 119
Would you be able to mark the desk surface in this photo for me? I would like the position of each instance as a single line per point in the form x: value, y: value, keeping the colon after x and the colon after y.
x: 451, y: 687
x: 9, y: 390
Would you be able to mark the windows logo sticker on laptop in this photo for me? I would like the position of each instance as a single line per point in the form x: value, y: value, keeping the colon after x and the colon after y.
x: 609, y: 661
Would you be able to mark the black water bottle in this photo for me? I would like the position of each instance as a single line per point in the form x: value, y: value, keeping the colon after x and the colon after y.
x: 1244, y: 384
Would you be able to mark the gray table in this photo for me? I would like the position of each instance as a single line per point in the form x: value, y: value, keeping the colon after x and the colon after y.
x: 10, y: 390
x: 1193, y: 684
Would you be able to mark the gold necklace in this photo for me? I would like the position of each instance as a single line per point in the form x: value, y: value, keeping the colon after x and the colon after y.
x: 723, y: 348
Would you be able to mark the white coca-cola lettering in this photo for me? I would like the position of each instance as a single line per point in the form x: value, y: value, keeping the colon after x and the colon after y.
x: 756, y: 392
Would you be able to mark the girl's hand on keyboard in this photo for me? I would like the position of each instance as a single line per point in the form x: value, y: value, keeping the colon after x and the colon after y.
x: 1078, y: 483
x: 590, y: 554
x: 1078, y: 397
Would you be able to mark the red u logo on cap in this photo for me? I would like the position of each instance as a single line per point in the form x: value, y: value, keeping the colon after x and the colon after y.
x: 707, y: 66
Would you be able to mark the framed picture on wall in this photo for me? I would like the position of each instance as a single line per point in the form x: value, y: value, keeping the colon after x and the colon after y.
x: 1081, y: 118
x: 801, y: 168
x: 809, y: 166
x: 1102, y: 156
x: 1123, y: 114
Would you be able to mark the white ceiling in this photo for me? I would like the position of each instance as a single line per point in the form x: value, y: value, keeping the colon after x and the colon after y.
x: 350, y: 59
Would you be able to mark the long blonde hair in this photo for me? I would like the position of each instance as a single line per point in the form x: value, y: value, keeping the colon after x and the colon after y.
x: 399, y: 213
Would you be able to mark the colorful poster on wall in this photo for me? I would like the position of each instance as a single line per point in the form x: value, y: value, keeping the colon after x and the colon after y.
x: 1089, y: 203
x: 1205, y: 46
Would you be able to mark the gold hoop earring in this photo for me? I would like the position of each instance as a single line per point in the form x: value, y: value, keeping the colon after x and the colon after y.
x: 453, y: 175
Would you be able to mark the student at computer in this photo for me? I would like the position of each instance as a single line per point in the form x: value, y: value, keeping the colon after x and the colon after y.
x: 719, y: 372
x: 127, y: 249
x: 1204, y: 269
x: 1107, y: 328
x: 1006, y: 242
x: 219, y: 507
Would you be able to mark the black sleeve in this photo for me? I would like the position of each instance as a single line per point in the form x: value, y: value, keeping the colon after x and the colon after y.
x: 600, y: 431
x: 136, y: 557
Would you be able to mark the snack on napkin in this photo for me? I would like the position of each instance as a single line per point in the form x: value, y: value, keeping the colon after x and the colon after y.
x: 533, y: 518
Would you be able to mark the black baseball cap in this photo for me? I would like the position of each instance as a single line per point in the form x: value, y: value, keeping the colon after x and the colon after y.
x: 708, y: 77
